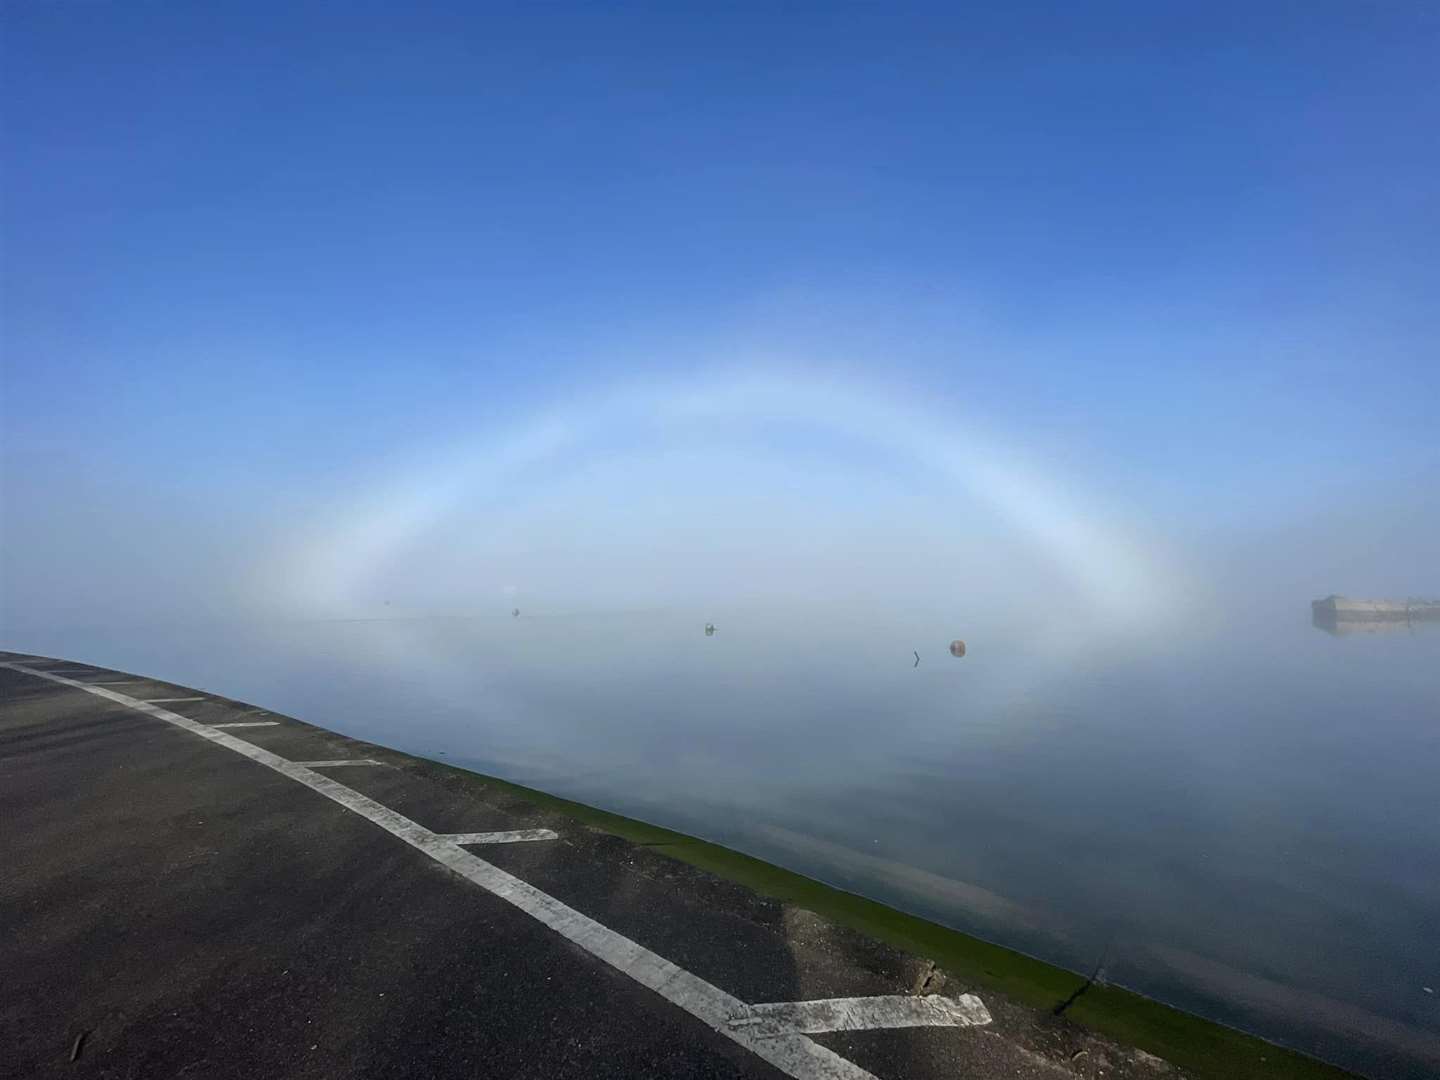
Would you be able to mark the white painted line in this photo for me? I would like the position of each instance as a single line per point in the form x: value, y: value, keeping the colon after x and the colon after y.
x: 514, y: 836
x: 794, y: 1054
x: 276, y: 723
x: 115, y: 682
x: 861, y: 1014
x: 331, y: 764
x: 159, y: 700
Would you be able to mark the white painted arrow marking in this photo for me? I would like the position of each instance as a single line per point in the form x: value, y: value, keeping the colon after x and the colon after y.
x: 514, y: 836
x: 860, y: 1014
x: 330, y: 764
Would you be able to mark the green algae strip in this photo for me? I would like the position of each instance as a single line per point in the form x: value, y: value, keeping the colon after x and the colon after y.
x: 1201, y: 1047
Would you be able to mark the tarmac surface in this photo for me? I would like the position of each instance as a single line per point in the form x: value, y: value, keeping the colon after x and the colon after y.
x: 184, y: 899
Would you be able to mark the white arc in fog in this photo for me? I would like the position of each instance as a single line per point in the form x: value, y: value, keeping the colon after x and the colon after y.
x: 1118, y: 578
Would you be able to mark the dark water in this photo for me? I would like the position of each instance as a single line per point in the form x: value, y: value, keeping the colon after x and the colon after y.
x: 1240, y: 816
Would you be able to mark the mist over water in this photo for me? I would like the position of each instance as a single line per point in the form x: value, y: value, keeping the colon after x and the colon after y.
x: 1148, y: 763
x: 1103, y: 340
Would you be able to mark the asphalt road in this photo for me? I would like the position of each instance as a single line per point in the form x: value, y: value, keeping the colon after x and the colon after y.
x: 179, y: 898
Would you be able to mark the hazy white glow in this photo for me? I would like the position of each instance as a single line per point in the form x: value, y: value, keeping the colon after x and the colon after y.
x: 337, y: 565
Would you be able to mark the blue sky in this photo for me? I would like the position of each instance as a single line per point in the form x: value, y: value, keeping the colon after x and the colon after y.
x: 263, y: 258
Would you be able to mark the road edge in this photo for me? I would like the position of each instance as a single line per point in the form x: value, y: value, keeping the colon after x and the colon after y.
x: 1202, y: 1048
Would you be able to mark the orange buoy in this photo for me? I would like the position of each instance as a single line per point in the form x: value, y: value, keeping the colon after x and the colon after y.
x: 957, y: 648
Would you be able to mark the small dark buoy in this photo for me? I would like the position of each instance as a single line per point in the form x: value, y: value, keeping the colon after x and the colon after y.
x: 709, y: 629
x: 516, y: 613
x: 957, y: 648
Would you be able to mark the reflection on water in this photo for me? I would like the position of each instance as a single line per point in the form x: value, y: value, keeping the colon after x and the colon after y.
x: 1343, y: 627
x: 1243, y: 820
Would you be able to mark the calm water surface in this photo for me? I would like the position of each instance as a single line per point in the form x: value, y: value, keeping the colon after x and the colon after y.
x: 1240, y: 816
